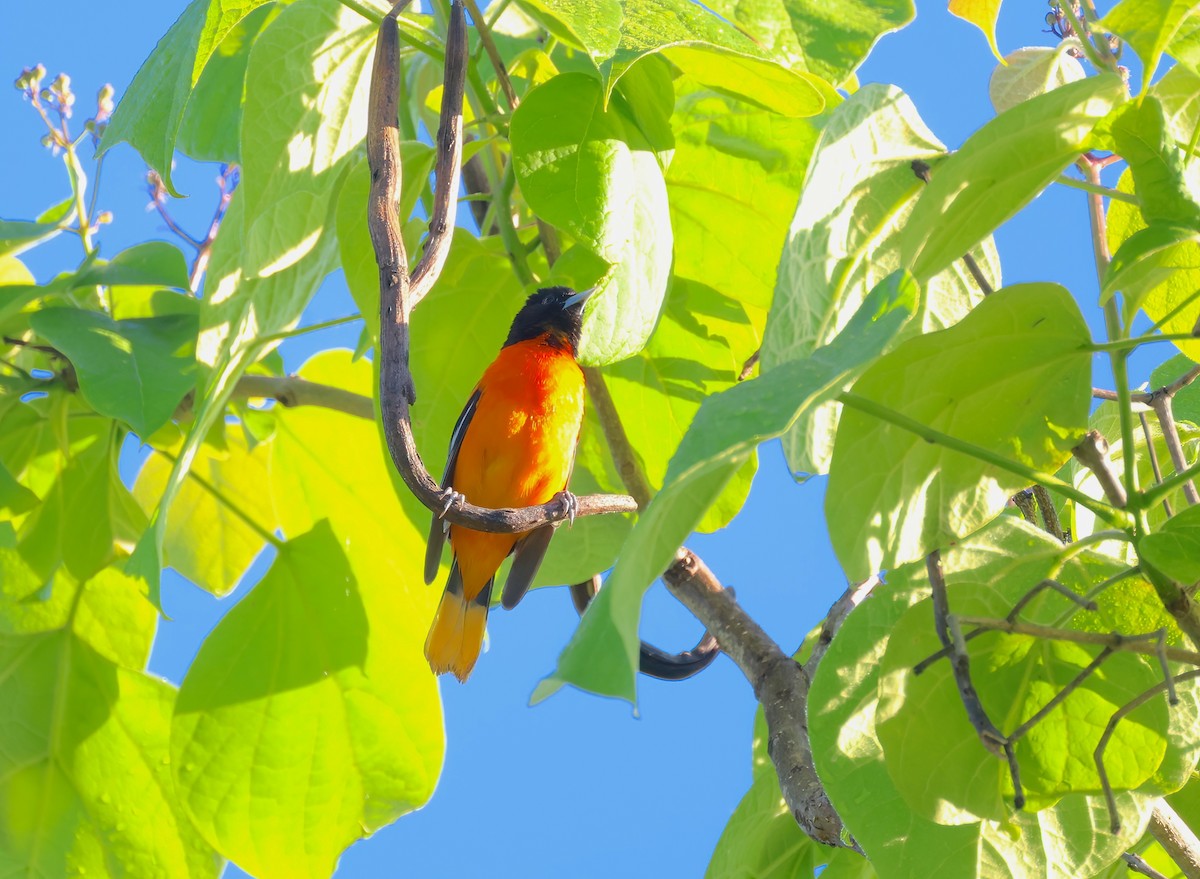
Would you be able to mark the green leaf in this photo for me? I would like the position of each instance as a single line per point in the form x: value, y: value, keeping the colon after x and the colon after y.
x: 1186, y: 402
x: 1016, y: 676
x: 1152, y: 27
x: 1070, y: 839
x: 602, y: 656
x: 18, y: 235
x: 1000, y: 169
x: 762, y: 839
x: 211, y: 124
x: 131, y: 302
x: 732, y: 186
x: 616, y: 33
x: 15, y: 498
x: 982, y: 14
x: 1174, y: 304
x: 305, y: 112
x: 1179, y: 93
x: 1175, y: 550
x: 286, y: 691
x: 151, y: 111
x: 82, y: 515
x: 134, y: 370
x: 591, y: 172
x: 830, y: 41
x: 154, y: 263
x: 857, y: 198
x: 13, y: 272
x: 1032, y: 71
x: 222, y: 498
x: 1148, y: 259
x: 893, y: 497
x: 84, y: 772
x: 697, y: 350
x: 1162, y: 178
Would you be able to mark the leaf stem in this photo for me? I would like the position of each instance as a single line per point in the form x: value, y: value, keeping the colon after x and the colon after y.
x: 218, y: 496
x: 1129, y: 343
x: 1029, y: 474
x: 1114, y: 194
x: 311, y: 328
x: 1117, y: 344
x: 1153, y: 495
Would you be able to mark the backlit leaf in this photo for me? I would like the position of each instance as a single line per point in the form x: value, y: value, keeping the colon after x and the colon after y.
x: 857, y: 197
x: 591, y: 172
x: 149, y: 114
x: 1000, y: 168
x: 830, y: 41
x: 1032, y: 71
x: 892, y: 496
x: 616, y: 33
x: 982, y: 14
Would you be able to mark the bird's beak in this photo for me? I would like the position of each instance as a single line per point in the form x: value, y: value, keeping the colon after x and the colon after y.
x: 580, y: 298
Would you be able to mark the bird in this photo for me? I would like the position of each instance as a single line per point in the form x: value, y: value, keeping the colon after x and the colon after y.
x: 513, y: 446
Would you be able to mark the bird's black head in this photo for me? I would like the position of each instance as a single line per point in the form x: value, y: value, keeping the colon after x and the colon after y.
x: 553, y: 312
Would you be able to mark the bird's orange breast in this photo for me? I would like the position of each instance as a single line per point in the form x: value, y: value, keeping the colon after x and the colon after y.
x: 519, y: 447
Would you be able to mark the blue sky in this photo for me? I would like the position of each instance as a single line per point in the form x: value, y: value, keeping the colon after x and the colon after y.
x: 576, y: 786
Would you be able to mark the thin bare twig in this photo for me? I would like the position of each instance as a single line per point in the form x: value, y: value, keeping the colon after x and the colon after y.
x: 851, y: 598
x: 489, y: 45
x: 1137, y: 865
x: 653, y: 661
x: 954, y: 644
x: 399, y: 292
x: 1164, y: 409
x: 1023, y: 501
x: 748, y: 366
x: 622, y: 451
x: 1050, y: 520
x: 1092, y: 452
x: 1153, y: 456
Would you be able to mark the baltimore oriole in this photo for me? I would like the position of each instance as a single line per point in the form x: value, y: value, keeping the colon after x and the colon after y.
x: 513, y: 446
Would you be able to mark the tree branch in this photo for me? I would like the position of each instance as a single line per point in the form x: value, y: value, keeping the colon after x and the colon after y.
x: 653, y: 661
x: 780, y: 685
x: 1160, y: 402
x: 1092, y: 452
x: 1176, y: 838
x: 399, y: 293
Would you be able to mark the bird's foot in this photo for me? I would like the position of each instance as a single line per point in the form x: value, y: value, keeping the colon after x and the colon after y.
x: 571, y: 503
x: 450, y: 498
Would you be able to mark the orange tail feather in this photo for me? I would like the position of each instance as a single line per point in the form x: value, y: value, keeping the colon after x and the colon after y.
x: 456, y: 636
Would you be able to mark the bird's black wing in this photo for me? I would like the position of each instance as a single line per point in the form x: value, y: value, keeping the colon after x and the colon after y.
x: 440, y: 527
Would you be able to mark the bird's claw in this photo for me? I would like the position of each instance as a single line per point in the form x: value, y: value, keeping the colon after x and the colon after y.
x: 572, y: 505
x: 450, y: 498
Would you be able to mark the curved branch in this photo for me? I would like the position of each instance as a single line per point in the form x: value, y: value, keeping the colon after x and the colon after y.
x: 400, y: 292
x: 653, y: 661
